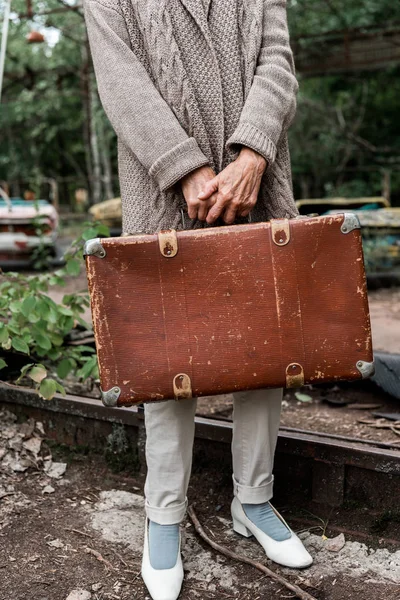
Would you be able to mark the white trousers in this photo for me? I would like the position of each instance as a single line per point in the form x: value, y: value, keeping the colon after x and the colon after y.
x: 169, y: 448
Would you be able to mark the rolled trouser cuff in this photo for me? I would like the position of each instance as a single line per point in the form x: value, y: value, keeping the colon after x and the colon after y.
x: 253, y: 495
x: 168, y: 515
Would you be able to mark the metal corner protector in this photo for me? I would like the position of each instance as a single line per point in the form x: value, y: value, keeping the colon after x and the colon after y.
x: 367, y: 369
x: 110, y: 397
x: 94, y: 248
x: 350, y: 222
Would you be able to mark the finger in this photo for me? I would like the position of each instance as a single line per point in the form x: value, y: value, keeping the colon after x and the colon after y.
x: 204, y: 207
x: 247, y: 208
x: 209, y: 188
x: 193, y: 209
x: 230, y: 214
x: 215, y: 211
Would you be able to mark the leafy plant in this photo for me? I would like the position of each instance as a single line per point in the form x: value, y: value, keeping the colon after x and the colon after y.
x: 34, y: 325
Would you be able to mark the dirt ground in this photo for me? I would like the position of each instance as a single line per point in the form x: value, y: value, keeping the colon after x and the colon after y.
x: 82, y: 529
x: 385, y: 319
x: 347, y: 410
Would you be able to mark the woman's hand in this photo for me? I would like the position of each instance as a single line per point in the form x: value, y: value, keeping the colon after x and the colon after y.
x: 192, y: 185
x: 233, y: 192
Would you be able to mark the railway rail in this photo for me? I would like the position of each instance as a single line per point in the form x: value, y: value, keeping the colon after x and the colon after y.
x: 325, y: 468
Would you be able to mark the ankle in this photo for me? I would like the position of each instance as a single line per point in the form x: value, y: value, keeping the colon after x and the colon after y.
x: 264, y: 517
x: 163, y: 545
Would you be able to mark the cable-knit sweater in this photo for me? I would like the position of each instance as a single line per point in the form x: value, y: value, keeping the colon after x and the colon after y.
x: 186, y: 83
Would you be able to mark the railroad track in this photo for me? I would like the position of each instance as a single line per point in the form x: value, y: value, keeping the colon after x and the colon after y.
x: 326, y: 468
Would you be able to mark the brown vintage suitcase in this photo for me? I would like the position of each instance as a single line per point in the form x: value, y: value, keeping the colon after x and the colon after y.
x: 215, y: 310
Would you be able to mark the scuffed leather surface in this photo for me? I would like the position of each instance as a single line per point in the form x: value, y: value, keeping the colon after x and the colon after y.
x: 231, y: 310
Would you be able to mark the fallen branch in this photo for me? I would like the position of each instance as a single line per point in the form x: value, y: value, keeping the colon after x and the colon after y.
x: 226, y: 552
x: 100, y: 558
x: 80, y: 532
x: 120, y: 558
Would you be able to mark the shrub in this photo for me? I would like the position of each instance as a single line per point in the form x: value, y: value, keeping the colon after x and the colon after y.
x: 33, y: 325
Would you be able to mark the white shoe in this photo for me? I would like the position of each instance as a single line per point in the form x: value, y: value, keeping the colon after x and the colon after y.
x: 289, y: 553
x: 162, y: 584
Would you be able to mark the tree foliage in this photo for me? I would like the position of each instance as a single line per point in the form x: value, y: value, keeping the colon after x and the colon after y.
x: 346, y: 134
x: 48, y: 111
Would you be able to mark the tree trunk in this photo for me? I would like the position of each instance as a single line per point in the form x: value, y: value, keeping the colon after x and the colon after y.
x: 94, y: 143
x: 106, y: 161
x: 103, y: 144
x: 386, y: 184
x: 85, y: 94
x: 304, y: 186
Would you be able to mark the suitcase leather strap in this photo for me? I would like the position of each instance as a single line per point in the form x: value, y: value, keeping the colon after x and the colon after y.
x: 287, y: 296
x: 178, y: 352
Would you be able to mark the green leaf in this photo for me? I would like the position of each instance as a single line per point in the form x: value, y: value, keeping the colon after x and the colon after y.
x: 47, y: 389
x: 57, y: 281
x: 303, y: 397
x: 24, y: 371
x: 103, y: 230
x: 54, y: 354
x: 64, y: 368
x: 84, y: 323
x: 38, y: 373
x: 20, y: 345
x: 7, y: 344
x: 42, y: 352
x: 53, y: 316
x: 73, y: 267
x: 43, y: 309
x: 33, y: 317
x: 68, y: 324
x: 56, y: 339
x: 3, y: 335
x: 65, y: 311
x: 28, y: 305
x: 2, y: 363
x: 87, y: 368
x: 15, y: 306
x: 90, y: 233
x: 85, y: 349
x: 60, y: 388
x: 42, y: 340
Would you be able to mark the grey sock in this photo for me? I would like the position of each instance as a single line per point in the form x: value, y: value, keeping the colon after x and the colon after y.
x: 264, y: 517
x: 163, y: 545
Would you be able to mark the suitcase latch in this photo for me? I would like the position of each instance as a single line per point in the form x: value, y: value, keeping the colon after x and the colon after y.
x: 182, y: 386
x: 294, y: 375
x: 280, y: 231
x: 168, y: 242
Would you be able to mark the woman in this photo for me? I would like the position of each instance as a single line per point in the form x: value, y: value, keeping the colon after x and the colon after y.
x: 201, y: 94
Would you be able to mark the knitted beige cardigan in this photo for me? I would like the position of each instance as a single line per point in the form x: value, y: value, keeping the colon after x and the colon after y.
x: 186, y: 83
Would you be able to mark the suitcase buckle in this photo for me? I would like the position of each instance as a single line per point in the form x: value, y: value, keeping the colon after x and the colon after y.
x: 294, y: 375
x: 280, y: 231
x: 168, y: 242
x: 182, y: 386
